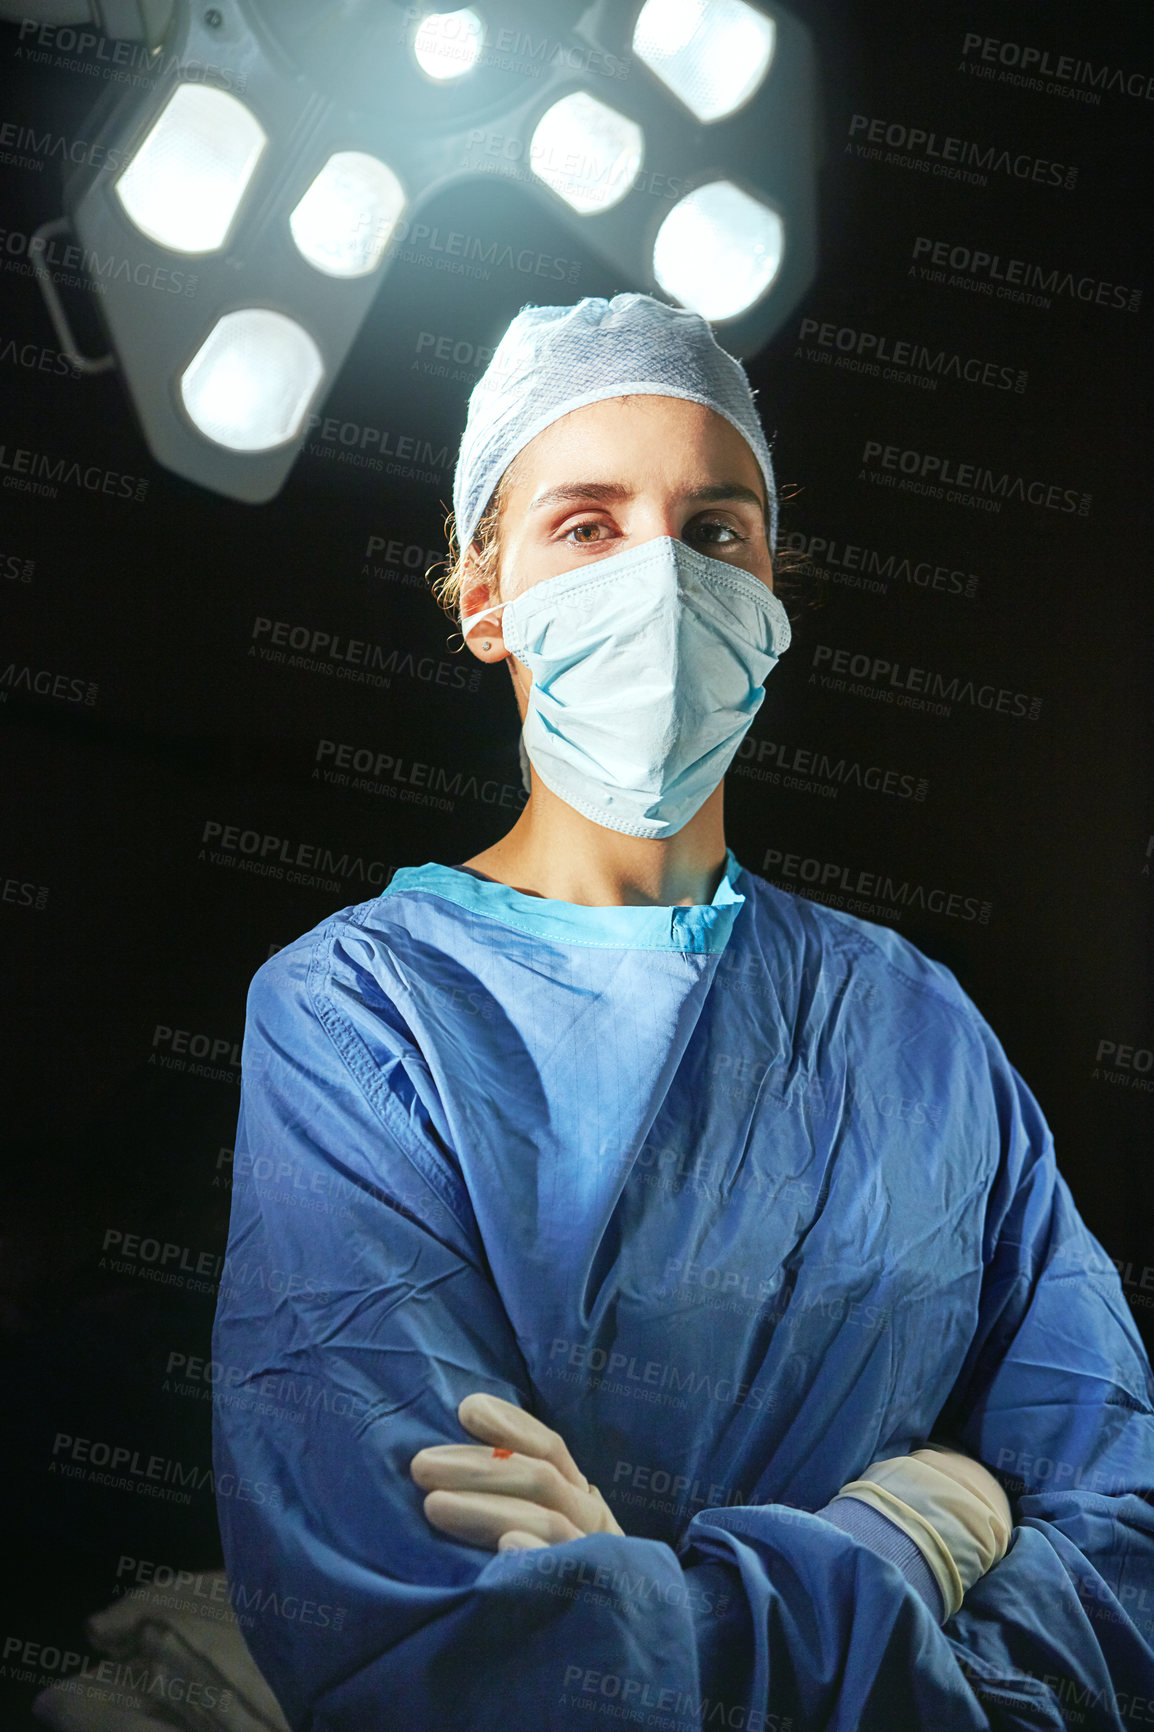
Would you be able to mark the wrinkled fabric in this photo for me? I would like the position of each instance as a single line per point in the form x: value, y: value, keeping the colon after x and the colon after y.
x: 739, y: 1199
x: 177, y: 1658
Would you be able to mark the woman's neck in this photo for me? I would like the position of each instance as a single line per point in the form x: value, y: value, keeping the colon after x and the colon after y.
x: 553, y: 851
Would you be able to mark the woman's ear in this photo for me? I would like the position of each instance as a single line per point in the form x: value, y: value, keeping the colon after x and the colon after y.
x: 482, y: 628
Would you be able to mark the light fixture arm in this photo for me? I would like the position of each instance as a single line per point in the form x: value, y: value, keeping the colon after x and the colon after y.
x: 69, y: 347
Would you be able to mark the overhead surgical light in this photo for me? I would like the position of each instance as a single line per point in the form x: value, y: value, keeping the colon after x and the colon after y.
x: 286, y: 148
x: 345, y: 220
x: 587, y: 152
x: 448, y: 44
x: 718, y: 250
x: 184, y: 185
x: 252, y: 381
x: 712, y: 54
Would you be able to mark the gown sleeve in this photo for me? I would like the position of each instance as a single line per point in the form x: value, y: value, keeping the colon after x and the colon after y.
x: 357, y: 1310
x: 1056, y: 1397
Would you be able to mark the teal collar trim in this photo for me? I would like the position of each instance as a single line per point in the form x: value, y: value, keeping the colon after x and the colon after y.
x: 700, y: 929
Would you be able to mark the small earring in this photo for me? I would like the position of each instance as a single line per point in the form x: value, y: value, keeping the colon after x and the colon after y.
x: 486, y: 645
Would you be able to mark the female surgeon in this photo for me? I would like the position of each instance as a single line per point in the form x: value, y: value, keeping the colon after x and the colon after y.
x: 639, y: 1274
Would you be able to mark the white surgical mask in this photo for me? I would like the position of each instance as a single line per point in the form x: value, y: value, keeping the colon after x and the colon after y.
x: 647, y: 671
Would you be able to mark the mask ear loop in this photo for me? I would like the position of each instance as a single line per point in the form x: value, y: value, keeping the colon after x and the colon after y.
x: 470, y: 622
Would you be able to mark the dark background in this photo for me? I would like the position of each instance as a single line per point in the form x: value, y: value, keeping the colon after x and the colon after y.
x: 119, y: 924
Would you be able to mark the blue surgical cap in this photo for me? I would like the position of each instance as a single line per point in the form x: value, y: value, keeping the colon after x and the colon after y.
x: 554, y: 359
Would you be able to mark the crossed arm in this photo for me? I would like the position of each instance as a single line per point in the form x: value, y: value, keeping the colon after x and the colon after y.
x: 519, y: 1489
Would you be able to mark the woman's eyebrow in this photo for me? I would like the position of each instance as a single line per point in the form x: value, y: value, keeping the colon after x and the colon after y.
x: 709, y: 494
x: 715, y: 492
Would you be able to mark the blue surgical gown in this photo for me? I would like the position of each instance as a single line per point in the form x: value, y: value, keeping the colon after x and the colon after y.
x: 738, y: 1198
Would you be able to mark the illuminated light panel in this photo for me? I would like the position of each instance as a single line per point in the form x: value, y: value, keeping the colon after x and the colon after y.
x: 343, y: 223
x: 712, y: 54
x: 185, y: 184
x: 718, y: 250
x: 448, y: 44
x: 588, y: 153
x: 250, y: 384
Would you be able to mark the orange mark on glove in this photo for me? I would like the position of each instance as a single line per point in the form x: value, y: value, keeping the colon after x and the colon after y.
x: 503, y: 1452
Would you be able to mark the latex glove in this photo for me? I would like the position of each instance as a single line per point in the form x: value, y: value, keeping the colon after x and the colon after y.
x: 952, y: 1508
x: 524, y: 1490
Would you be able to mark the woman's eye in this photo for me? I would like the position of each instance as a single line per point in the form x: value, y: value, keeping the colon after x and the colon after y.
x: 727, y: 532
x: 712, y: 531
